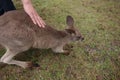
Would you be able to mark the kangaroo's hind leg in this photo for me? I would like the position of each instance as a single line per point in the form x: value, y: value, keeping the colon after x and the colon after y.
x: 8, y: 58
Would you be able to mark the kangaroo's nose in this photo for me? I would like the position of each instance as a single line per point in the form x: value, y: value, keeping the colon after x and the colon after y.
x: 82, y: 38
x: 78, y: 37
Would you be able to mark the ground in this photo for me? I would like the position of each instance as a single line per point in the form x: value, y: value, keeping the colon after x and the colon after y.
x: 95, y: 58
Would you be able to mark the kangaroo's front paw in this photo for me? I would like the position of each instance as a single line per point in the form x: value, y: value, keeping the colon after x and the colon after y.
x: 68, y: 47
x: 66, y: 52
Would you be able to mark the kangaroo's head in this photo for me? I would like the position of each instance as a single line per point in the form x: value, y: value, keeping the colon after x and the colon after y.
x: 72, y: 31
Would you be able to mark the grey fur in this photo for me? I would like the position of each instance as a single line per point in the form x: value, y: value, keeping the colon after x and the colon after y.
x: 18, y: 34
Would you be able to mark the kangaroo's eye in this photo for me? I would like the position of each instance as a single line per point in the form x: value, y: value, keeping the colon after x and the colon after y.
x: 71, y: 31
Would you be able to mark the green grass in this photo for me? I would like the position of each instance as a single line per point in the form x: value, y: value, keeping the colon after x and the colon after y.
x: 96, y: 58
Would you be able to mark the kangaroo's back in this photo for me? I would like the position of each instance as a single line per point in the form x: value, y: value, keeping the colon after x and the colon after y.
x: 17, y: 25
x: 22, y: 20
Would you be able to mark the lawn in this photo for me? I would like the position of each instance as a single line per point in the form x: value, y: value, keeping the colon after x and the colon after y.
x: 95, y: 58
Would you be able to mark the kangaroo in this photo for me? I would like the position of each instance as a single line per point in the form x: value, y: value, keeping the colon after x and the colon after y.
x: 18, y: 33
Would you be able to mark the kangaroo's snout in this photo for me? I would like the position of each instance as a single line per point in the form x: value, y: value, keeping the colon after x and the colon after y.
x: 78, y: 38
x: 82, y: 38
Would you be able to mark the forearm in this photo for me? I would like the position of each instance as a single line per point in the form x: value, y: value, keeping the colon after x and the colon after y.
x: 26, y: 2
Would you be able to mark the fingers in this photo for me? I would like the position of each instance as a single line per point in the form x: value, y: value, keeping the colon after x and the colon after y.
x: 37, y: 20
x: 33, y: 19
x: 29, y: 9
x: 40, y: 22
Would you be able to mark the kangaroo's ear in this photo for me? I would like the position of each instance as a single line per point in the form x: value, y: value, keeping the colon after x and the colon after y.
x: 70, y: 21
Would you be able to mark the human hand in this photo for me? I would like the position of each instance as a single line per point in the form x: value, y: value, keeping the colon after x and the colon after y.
x: 29, y: 9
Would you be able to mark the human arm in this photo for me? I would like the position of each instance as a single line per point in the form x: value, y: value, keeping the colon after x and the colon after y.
x: 29, y: 9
